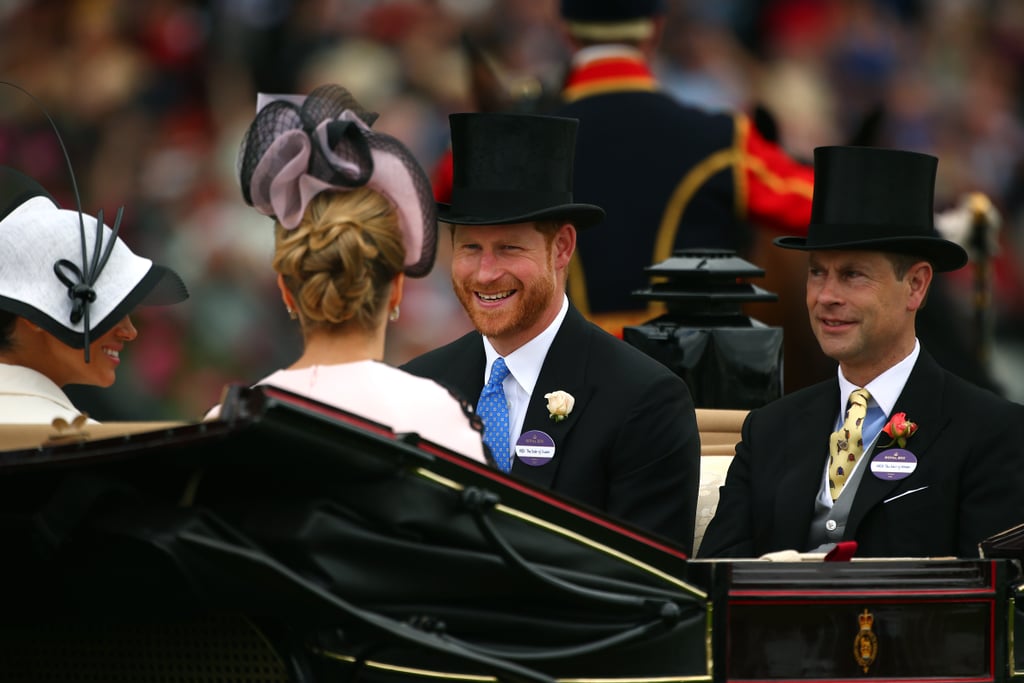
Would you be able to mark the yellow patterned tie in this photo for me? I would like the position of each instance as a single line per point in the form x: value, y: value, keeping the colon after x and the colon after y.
x: 847, y: 444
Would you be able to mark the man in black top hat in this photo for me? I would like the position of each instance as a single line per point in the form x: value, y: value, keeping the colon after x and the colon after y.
x: 928, y: 464
x: 588, y: 415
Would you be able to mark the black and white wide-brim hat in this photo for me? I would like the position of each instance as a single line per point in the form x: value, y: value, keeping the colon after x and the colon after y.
x: 48, y: 255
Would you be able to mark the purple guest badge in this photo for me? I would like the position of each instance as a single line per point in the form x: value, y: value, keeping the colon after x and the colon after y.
x: 535, y: 448
x: 892, y: 464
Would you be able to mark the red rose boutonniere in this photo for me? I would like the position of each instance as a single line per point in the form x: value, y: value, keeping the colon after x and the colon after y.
x: 899, y: 429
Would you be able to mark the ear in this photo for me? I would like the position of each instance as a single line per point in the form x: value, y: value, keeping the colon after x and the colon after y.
x: 24, y: 322
x: 564, y: 245
x: 286, y: 295
x: 396, y: 292
x: 918, y: 279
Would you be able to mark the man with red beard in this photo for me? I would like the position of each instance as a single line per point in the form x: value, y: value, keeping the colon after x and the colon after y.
x: 570, y: 407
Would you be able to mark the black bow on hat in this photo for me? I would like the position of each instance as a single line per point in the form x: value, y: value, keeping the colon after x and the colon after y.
x: 514, y: 168
x: 868, y: 198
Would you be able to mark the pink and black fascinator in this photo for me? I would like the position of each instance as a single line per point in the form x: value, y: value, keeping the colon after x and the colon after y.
x: 67, y: 271
x: 298, y: 147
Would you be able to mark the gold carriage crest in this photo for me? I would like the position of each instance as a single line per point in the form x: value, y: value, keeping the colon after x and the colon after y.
x: 865, y: 644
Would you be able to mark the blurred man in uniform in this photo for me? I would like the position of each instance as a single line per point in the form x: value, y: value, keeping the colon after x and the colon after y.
x: 681, y: 178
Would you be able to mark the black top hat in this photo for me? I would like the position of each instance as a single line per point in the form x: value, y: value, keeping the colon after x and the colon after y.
x: 610, y: 10
x: 866, y: 198
x: 513, y: 168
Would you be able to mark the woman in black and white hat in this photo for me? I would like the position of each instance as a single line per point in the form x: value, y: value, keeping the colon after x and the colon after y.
x: 67, y: 286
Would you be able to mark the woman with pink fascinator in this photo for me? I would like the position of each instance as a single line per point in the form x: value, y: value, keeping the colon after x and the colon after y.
x: 353, y: 216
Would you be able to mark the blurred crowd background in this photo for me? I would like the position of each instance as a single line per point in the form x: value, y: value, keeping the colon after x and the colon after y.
x: 152, y: 98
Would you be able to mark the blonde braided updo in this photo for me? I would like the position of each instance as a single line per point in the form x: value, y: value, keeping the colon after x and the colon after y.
x: 338, y: 261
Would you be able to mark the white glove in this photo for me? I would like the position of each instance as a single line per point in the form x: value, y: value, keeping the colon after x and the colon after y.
x: 958, y: 224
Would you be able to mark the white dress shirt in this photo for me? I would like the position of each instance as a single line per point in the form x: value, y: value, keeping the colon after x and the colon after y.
x: 884, y: 390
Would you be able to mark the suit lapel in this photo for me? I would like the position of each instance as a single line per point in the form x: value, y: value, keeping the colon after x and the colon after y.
x: 564, y: 369
x: 920, y: 400
x: 803, y: 442
x: 465, y: 374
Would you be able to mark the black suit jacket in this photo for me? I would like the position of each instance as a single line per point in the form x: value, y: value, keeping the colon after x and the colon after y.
x: 630, y: 447
x: 967, y: 484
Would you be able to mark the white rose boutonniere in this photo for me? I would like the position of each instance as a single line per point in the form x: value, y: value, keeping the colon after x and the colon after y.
x: 560, y: 404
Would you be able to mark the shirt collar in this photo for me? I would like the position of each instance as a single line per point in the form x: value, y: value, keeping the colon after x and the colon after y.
x: 592, y: 53
x: 524, y: 363
x: 885, y: 388
x: 21, y: 380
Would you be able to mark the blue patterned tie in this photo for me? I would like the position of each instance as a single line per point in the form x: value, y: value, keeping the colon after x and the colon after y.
x: 493, y: 410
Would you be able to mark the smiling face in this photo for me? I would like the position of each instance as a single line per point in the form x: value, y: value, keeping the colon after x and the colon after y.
x: 64, y: 364
x: 511, y: 278
x: 861, y: 313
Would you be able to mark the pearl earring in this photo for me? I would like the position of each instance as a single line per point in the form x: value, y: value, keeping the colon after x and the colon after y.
x: 393, y: 315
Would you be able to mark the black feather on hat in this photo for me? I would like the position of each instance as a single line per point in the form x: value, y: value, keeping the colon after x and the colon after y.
x: 868, y: 198
x: 53, y: 275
